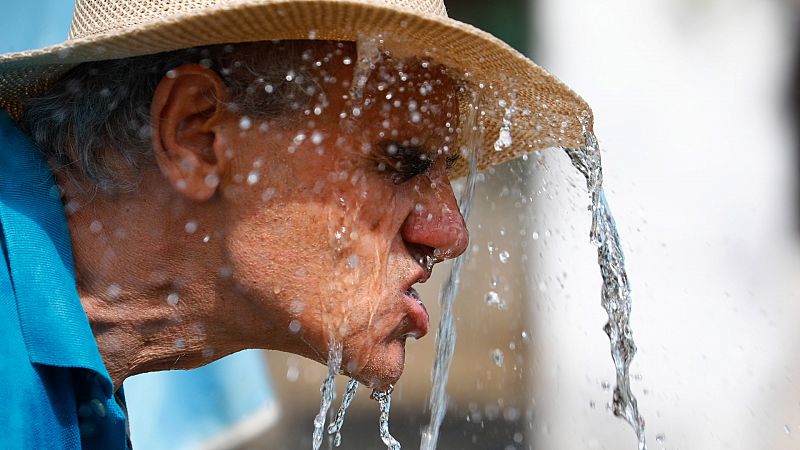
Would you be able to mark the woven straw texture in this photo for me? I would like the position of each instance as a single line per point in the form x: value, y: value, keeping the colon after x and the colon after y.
x: 545, y: 111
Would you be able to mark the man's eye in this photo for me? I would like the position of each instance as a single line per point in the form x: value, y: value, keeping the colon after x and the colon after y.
x: 405, y: 162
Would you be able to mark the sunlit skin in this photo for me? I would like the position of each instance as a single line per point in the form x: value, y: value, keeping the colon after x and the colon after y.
x: 262, y: 234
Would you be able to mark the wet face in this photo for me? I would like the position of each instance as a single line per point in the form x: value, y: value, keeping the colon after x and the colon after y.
x: 332, y: 216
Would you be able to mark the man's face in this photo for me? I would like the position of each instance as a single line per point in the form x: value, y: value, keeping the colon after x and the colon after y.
x: 331, y: 217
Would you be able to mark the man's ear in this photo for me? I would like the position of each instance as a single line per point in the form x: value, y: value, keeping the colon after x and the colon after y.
x: 187, y: 104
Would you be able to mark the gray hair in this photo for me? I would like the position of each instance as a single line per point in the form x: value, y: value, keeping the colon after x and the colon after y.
x: 93, y: 124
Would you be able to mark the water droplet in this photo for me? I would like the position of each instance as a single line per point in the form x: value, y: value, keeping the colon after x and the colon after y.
x: 416, y: 117
x: 268, y: 194
x: 347, y: 61
x: 497, y: 357
x: 353, y: 262
x: 172, y: 299
x: 605, y: 385
x: 316, y: 137
x: 592, y: 404
x: 245, y: 123
x: 493, y: 299
x: 356, y: 111
x: 269, y: 89
x: 660, y: 438
x: 252, y: 178
x: 312, y: 34
x: 786, y: 430
x: 294, y: 326
x: 535, y: 235
x: 491, y: 247
x: 190, y: 227
x: 292, y: 373
x: 503, y: 140
x: 95, y: 227
x: 206, y: 238
x: 211, y: 180
x: 180, y: 343
x: 113, y: 290
x: 503, y: 256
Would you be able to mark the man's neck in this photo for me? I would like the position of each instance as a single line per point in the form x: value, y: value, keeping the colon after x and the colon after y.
x: 147, y: 281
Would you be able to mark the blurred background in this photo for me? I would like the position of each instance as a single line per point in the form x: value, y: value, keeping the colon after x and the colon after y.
x: 694, y: 104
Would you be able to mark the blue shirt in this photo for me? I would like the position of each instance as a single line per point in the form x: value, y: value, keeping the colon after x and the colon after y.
x: 55, y: 392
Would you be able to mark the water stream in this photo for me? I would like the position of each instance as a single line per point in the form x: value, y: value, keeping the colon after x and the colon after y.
x: 385, y: 401
x: 446, y: 333
x: 328, y: 392
x: 615, y: 293
x: 336, y: 427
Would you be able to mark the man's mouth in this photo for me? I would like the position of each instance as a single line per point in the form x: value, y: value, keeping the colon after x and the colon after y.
x: 418, y: 314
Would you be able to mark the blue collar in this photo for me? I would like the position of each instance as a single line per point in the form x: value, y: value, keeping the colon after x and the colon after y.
x: 39, y: 254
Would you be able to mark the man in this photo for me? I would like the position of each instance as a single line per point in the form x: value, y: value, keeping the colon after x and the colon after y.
x: 220, y: 195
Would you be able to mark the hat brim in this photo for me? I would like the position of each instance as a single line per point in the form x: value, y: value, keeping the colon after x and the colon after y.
x: 545, y: 111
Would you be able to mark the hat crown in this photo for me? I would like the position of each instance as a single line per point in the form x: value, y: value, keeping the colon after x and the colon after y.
x: 93, y: 17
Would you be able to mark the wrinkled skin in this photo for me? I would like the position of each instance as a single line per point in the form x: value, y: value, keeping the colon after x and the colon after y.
x: 279, y: 234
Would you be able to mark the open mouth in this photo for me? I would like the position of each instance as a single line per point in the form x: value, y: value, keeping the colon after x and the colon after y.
x: 418, y: 314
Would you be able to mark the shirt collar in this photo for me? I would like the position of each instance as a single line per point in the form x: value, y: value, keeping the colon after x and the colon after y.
x: 39, y: 254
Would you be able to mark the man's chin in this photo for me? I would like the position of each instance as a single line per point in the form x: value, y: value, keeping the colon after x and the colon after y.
x: 383, y: 367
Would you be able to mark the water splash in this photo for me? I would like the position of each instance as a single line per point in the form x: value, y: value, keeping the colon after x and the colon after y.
x: 504, y: 138
x: 385, y: 403
x: 328, y: 392
x: 615, y: 294
x: 336, y: 427
x: 446, y: 333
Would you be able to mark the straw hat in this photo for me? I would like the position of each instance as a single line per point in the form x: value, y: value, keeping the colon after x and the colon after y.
x: 538, y: 110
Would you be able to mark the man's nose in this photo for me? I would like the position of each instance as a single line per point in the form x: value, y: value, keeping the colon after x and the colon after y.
x: 435, y: 220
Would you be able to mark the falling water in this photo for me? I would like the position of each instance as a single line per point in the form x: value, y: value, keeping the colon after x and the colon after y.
x: 368, y: 49
x: 385, y: 401
x: 336, y: 427
x: 328, y: 391
x: 446, y: 333
x: 615, y: 296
